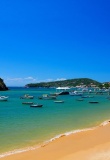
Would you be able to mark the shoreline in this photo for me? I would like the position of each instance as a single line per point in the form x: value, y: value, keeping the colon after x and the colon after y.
x: 11, y: 154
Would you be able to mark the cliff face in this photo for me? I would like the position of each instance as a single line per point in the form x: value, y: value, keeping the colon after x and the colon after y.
x: 3, y: 87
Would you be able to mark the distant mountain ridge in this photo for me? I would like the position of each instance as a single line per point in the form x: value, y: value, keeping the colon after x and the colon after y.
x: 3, y: 86
x: 64, y: 83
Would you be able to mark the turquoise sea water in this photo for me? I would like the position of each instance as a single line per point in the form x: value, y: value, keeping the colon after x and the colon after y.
x: 22, y: 126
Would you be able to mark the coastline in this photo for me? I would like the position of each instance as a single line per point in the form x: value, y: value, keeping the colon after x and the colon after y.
x: 79, y: 144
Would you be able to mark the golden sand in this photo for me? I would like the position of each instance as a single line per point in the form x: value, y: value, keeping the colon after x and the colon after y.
x: 86, y: 145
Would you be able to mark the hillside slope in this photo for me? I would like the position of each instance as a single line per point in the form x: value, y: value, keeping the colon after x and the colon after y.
x: 69, y: 83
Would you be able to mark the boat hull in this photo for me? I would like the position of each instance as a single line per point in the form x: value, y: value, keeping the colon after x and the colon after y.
x: 93, y: 102
x: 3, y: 98
x: 64, y: 93
x: 59, y: 101
x: 36, y: 105
x: 28, y: 103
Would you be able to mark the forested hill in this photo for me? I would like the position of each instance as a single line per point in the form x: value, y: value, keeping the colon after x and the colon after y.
x: 3, y: 87
x: 64, y: 83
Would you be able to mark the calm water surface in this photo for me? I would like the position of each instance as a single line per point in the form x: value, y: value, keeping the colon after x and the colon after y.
x: 22, y: 126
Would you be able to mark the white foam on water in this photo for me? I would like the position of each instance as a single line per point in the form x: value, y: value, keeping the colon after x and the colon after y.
x: 52, y: 139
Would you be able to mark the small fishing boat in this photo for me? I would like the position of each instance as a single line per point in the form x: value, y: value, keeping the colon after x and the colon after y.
x: 3, y: 98
x: 36, y: 105
x: 59, y: 101
x: 26, y: 96
x: 93, y: 102
x: 75, y: 93
x: 47, y: 97
x: 80, y: 99
x: 27, y: 102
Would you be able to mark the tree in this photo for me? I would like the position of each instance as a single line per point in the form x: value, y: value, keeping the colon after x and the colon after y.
x: 106, y: 85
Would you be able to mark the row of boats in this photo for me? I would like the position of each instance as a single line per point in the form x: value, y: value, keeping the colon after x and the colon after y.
x: 39, y: 105
x: 53, y: 96
x: 44, y: 96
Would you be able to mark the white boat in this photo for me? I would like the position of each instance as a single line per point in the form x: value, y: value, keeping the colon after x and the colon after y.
x: 36, y: 105
x: 46, y: 96
x: 63, y: 90
x: 75, y: 93
x: 3, y: 98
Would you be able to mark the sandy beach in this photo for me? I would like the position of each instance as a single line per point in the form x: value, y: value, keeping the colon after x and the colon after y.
x: 86, y: 145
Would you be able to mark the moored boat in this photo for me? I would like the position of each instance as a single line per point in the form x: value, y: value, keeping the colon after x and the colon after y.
x: 26, y: 96
x: 59, y: 101
x: 75, y: 93
x: 80, y: 99
x: 3, y: 98
x: 47, y: 96
x: 93, y: 102
x: 63, y: 90
x: 64, y: 93
x: 27, y: 102
x: 36, y: 105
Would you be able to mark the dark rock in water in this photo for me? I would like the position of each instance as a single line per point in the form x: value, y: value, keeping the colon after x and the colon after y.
x: 3, y: 87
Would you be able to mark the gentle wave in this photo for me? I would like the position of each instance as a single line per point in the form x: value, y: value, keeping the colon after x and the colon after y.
x: 52, y: 139
x: 105, y: 123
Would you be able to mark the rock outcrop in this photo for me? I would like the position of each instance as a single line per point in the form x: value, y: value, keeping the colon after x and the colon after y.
x: 3, y: 87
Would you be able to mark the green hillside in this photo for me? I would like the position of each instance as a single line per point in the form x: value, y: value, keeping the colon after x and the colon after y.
x: 69, y: 83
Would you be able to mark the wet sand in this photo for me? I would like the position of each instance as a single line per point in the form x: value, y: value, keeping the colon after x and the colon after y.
x: 87, y: 145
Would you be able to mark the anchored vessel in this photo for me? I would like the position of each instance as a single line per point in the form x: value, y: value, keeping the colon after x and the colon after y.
x: 3, y: 98
x: 36, y: 105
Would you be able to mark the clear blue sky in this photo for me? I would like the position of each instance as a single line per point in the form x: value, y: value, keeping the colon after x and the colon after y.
x: 46, y: 40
